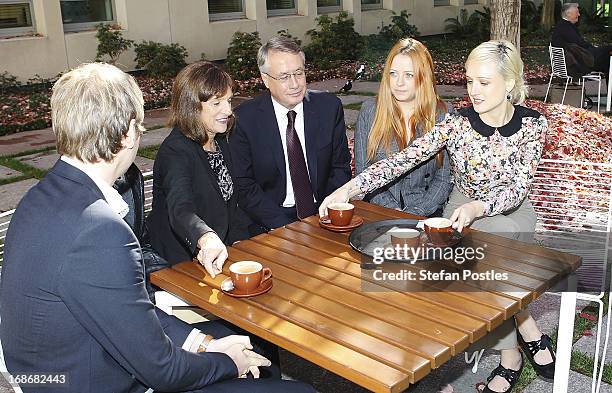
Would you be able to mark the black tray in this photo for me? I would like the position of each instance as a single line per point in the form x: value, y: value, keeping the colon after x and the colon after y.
x: 374, y: 234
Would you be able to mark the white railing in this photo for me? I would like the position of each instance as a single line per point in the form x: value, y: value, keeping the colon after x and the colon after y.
x: 573, y: 202
x: 148, y: 191
x: 5, y: 219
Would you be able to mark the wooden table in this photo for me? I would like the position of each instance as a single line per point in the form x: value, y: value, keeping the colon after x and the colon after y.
x: 382, y: 340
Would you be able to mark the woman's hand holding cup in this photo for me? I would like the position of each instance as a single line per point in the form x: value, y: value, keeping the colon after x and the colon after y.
x: 341, y: 195
x: 465, y: 214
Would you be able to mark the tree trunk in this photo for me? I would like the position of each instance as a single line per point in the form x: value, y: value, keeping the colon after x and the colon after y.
x: 548, y: 15
x: 506, y: 21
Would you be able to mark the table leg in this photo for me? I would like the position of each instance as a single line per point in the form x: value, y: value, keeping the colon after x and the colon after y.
x: 567, y: 315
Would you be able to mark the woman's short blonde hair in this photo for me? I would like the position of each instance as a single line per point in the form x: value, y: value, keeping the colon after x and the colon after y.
x: 91, y: 110
x: 509, y: 64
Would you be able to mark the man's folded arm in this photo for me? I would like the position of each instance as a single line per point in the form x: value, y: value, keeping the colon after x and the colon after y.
x: 102, y: 284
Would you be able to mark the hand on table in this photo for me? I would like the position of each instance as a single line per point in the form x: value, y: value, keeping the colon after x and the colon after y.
x: 239, y: 349
x: 212, y: 254
x: 465, y: 214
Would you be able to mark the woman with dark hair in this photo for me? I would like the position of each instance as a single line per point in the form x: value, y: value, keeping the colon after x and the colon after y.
x: 194, y: 205
x: 406, y: 107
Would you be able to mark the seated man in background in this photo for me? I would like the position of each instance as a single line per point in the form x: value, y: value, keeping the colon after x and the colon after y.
x: 72, y: 296
x: 289, y: 147
x: 566, y: 35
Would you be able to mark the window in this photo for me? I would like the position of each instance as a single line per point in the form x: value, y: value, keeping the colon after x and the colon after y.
x: 438, y: 3
x: 325, y: 6
x: 371, y: 4
x: 226, y: 9
x: 16, y: 18
x: 468, y: 2
x: 281, y: 7
x: 85, y: 14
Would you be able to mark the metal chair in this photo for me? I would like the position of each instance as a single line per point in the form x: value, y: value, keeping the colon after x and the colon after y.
x: 163, y: 300
x: 573, y: 203
x: 559, y: 69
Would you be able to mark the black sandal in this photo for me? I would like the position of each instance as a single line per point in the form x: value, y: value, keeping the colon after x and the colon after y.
x: 531, y: 348
x: 511, y: 376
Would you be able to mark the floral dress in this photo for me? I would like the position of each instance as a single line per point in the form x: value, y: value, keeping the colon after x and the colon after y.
x: 492, y: 165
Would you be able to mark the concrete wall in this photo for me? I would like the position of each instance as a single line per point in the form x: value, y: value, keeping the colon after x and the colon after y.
x: 186, y: 22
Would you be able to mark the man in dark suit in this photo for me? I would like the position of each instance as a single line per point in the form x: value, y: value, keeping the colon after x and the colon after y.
x: 289, y: 147
x: 565, y: 35
x: 72, y: 298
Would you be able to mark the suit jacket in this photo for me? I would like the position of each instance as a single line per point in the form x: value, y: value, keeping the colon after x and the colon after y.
x: 187, y: 200
x: 565, y: 33
x: 259, y: 160
x: 73, y: 298
x: 423, y: 190
x: 131, y: 188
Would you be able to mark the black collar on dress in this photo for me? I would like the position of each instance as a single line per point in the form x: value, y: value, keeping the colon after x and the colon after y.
x: 507, y: 130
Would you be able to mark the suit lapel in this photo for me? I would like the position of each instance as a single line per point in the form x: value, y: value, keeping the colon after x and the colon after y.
x: 311, y: 131
x: 270, y: 134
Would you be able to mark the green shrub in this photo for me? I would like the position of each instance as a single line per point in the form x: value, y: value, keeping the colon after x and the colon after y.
x: 459, y: 26
x: 285, y: 33
x: 593, y: 20
x: 111, y: 43
x: 241, y: 61
x: 531, y: 16
x: 399, y: 28
x: 481, y: 22
x: 7, y: 129
x: 160, y: 60
x: 336, y: 40
x: 7, y: 82
x: 464, y: 26
x: 38, y: 100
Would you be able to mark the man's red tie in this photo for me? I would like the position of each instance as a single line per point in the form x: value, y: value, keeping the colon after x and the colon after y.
x: 302, y: 189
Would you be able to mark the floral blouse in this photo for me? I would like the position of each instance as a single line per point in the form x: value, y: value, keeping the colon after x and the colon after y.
x: 492, y: 165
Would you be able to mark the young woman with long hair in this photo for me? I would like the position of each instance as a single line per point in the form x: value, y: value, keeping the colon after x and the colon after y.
x: 406, y: 107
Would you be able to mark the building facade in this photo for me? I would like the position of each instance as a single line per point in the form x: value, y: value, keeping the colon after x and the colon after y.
x: 46, y: 37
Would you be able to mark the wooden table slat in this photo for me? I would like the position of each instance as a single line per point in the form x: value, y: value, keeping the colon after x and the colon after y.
x: 513, y: 290
x: 392, y: 324
x: 405, y: 361
x: 294, y: 242
x: 343, y: 361
x: 341, y: 269
x: 391, y: 307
